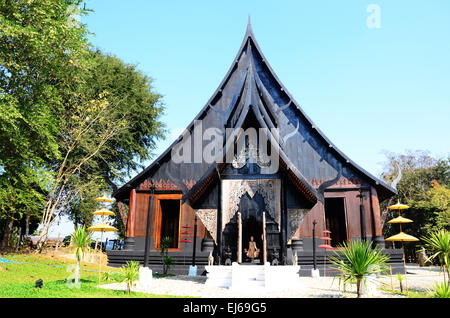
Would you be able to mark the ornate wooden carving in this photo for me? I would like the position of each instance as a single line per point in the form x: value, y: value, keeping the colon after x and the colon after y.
x: 233, y: 190
x: 295, y: 218
x: 341, y: 182
x: 123, y: 213
x: 209, y: 220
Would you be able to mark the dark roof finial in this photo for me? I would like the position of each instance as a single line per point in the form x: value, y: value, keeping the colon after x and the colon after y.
x: 249, y: 25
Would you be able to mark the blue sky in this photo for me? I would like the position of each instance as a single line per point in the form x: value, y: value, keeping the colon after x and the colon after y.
x: 368, y: 89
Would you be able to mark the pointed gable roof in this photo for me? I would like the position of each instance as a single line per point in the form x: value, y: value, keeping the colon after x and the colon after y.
x: 251, y: 83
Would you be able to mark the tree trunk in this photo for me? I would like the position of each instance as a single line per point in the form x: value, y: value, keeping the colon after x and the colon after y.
x: 77, y: 273
x: 19, y: 238
x: 7, y: 234
x: 27, y: 226
x: 358, y: 288
x: 43, y: 237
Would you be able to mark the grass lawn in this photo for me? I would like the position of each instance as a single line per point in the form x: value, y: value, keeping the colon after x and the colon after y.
x: 412, y: 293
x: 18, y: 280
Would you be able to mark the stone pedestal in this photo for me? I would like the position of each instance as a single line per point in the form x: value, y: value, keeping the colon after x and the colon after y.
x: 251, y: 277
x: 145, y: 278
x: 193, y: 270
x: 315, y: 273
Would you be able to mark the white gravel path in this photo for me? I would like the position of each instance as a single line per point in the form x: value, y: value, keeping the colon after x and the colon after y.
x: 417, y: 278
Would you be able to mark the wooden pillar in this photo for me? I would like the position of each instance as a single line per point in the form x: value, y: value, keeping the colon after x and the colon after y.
x: 362, y: 214
x: 264, y: 238
x: 132, y: 214
x: 376, y: 212
x: 148, y: 231
x: 283, y: 254
x: 219, y: 219
x: 239, y: 251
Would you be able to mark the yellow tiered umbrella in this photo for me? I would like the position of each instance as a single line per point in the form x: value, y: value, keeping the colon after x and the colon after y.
x: 103, y: 211
x: 101, y: 227
x: 104, y: 199
x: 401, y: 237
x: 400, y: 219
x: 398, y: 206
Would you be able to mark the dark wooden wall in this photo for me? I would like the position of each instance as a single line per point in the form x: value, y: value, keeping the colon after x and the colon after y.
x: 353, y: 218
x: 137, y: 221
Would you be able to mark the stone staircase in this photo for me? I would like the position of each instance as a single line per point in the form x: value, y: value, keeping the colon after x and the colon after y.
x: 253, y: 277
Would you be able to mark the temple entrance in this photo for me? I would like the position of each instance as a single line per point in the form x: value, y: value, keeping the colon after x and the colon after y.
x: 252, y: 228
x: 251, y: 248
x: 335, y: 220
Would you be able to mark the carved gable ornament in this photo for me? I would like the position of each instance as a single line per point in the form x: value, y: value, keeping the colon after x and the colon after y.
x: 233, y: 190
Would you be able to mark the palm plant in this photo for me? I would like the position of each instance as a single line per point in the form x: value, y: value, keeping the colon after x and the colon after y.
x: 166, y: 259
x: 400, y: 279
x: 438, y: 243
x: 357, y: 261
x: 441, y: 290
x: 130, y: 273
x: 80, y: 240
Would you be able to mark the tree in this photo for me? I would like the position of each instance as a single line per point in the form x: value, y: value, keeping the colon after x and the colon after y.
x: 21, y: 195
x: 87, y: 118
x: 131, y: 93
x: 424, y: 187
x: 87, y: 130
x: 436, y: 203
x: 40, y: 59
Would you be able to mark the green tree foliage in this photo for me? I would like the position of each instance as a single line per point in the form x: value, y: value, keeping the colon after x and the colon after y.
x: 84, y: 117
x: 424, y: 186
x: 21, y: 195
x: 41, y: 58
x: 131, y: 93
x: 81, y: 208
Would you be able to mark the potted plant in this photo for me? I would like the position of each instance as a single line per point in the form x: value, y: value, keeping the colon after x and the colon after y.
x: 207, y: 245
x: 296, y: 245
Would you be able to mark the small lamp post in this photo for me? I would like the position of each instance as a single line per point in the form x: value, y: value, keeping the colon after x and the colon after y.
x: 193, y: 267
x: 362, y: 214
x: 314, y: 272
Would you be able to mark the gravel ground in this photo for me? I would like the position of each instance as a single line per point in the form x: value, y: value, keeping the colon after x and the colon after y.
x: 417, y: 278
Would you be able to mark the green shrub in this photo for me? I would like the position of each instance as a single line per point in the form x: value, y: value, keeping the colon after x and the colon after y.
x: 130, y: 273
x: 357, y: 261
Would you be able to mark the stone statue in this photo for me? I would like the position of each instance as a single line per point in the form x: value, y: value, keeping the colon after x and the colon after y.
x: 274, y: 255
x: 227, y: 255
x: 422, y: 257
x: 253, y: 251
x: 210, y: 259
